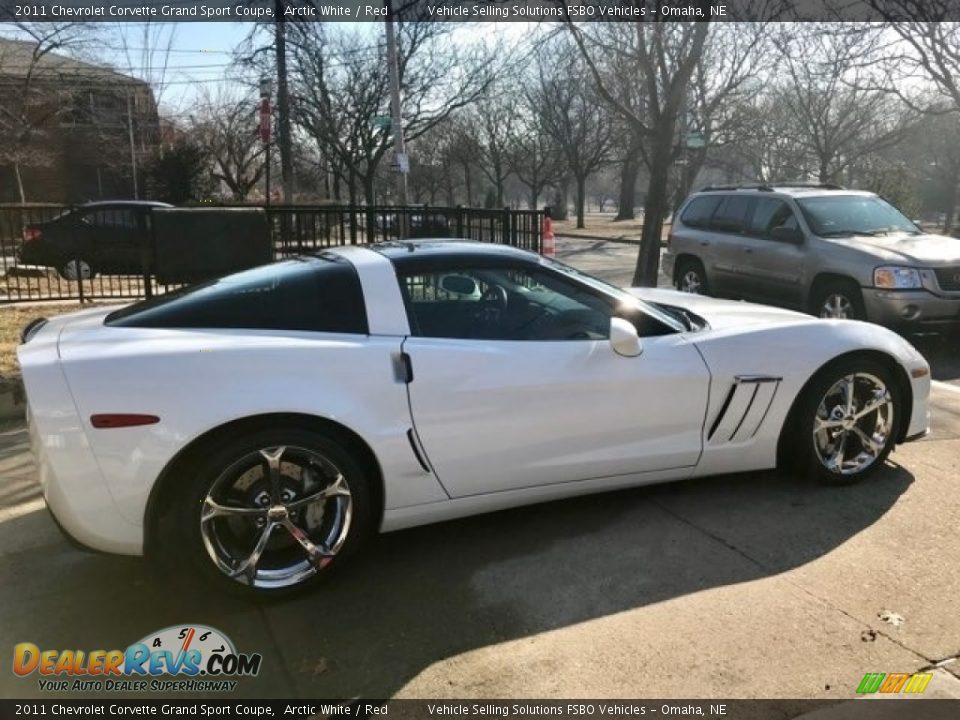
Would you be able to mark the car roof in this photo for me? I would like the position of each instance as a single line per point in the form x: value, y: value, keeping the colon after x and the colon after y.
x: 423, y: 252
x: 799, y: 190
x: 126, y: 203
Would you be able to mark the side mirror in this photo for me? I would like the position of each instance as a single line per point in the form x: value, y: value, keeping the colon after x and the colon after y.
x: 787, y: 234
x: 623, y: 338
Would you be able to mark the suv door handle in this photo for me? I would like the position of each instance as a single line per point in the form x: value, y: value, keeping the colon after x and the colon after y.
x: 705, y: 243
x: 748, y: 250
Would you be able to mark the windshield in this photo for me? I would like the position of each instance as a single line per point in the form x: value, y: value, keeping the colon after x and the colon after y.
x: 843, y: 215
x: 627, y: 301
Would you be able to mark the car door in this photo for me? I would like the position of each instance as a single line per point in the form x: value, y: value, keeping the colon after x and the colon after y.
x: 114, y: 233
x: 530, y: 393
x: 728, y: 244
x: 776, y: 269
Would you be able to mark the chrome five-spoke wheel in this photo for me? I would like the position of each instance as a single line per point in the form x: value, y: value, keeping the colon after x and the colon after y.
x: 853, y: 410
x: 837, y: 307
x: 267, y: 510
x: 854, y: 423
x: 276, y: 516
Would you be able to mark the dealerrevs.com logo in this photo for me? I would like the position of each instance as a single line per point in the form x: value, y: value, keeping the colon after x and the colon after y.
x: 202, y: 659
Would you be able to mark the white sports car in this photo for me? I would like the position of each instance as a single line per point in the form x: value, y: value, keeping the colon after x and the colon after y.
x: 263, y: 424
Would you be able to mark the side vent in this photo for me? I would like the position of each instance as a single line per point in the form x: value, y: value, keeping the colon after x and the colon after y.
x: 744, y: 409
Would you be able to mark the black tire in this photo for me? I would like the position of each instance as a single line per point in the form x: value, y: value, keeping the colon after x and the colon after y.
x: 810, y: 452
x: 687, y: 270
x: 842, y: 295
x: 187, y: 544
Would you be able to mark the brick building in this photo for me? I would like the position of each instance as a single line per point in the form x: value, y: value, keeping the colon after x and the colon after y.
x: 70, y: 131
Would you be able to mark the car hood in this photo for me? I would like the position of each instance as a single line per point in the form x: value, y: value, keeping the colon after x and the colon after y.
x: 926, y: 249
x: 723, y: 313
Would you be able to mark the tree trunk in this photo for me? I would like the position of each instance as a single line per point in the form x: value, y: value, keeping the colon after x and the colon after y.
x: 559, y: 207
x: 16, y: 172
x: 581, y: 200
x: 628, y: 180
x: 951, y: 211
x: 468, y: 183
x: 534, y: 196
x: 654, y: 210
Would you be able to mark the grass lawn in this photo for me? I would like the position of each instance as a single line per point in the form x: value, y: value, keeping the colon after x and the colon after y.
x: 12, y: 320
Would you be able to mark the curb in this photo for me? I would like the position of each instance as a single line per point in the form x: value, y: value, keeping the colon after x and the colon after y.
x: 13, y: 401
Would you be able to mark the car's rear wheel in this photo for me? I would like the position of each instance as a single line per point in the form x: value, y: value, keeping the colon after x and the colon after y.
x: 839, y: 300
x: 691, y: 278
x: 847, y: 421
x: 76, y: 269
x: 273, y: 511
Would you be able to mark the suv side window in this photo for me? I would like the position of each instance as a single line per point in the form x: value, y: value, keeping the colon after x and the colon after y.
x: 697, y: 213
x: 731, y: 216
x: 770, y: 213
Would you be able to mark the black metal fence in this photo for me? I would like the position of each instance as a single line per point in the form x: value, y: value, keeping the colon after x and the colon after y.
x: 108, y: 251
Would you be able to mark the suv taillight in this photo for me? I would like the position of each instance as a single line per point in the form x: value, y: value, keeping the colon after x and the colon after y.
x: 669, y: 239
x: 31, y: 233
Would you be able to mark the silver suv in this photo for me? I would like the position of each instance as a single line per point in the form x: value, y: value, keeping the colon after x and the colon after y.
x: 818, y: 248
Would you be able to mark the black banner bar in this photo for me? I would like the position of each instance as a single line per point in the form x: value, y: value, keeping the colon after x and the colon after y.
x: 475, y: 10
x: 916, y: 709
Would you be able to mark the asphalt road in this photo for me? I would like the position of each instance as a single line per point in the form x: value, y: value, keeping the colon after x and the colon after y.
x: 754, y: 585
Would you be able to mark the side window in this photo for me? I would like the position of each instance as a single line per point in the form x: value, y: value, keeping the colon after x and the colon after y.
x: 697, y: 213
x: 732, y: 214
x: 771, y: 213
x: 503, y: 304
x: 114, y: 218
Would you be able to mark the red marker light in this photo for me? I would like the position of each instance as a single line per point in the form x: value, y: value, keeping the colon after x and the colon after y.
x: 118, y: 420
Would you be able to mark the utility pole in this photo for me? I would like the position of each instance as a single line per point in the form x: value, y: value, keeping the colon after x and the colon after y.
x: 133, y: 147
x: 283, y: 103
x: 401, y: 161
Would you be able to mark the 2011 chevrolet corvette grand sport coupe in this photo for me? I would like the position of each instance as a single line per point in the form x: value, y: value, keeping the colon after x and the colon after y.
x: 261, y: 425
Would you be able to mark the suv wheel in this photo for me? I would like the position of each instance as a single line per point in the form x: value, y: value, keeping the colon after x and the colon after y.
x: 691, y: 278
x: 838, y: 300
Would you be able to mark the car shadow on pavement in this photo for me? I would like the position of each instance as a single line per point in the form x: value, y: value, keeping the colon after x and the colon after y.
x: 417, y: 597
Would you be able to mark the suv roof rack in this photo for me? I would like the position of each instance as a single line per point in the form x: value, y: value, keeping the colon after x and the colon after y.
x: 769, y: 187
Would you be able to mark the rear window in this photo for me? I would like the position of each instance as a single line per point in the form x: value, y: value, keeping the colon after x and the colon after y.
x: 319, y: 294
x: 697, y: 213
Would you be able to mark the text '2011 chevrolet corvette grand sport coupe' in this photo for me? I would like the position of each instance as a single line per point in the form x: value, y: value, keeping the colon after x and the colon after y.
x: 261, y: 425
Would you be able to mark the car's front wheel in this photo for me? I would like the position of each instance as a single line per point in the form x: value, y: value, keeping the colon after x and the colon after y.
x: 273, y: 511
x: 847, y: 421
x: 839, y: 300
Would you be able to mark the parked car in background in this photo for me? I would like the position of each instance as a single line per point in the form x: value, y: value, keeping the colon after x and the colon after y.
x: 821, y: 249
x: 97, y: 237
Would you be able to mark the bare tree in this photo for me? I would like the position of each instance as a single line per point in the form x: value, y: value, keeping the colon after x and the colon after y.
x: 662, y: 57
x: 573, y: 117
x: 535, y: 158
x: 339, y: 87
x: 837, y: 116
x: 491, y: 122
x: 225, y: 125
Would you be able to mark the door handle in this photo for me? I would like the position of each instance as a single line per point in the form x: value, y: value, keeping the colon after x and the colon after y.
x: 748, y: 250
x: 705, y: 243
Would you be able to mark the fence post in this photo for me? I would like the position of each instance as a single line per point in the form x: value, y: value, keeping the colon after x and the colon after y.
x: 148, y: 254
x: 545, y: 240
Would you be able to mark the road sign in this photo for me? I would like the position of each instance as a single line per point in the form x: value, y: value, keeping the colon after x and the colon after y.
x: 265, y: 120
x: 696, y: 140
x: 383, y: 122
